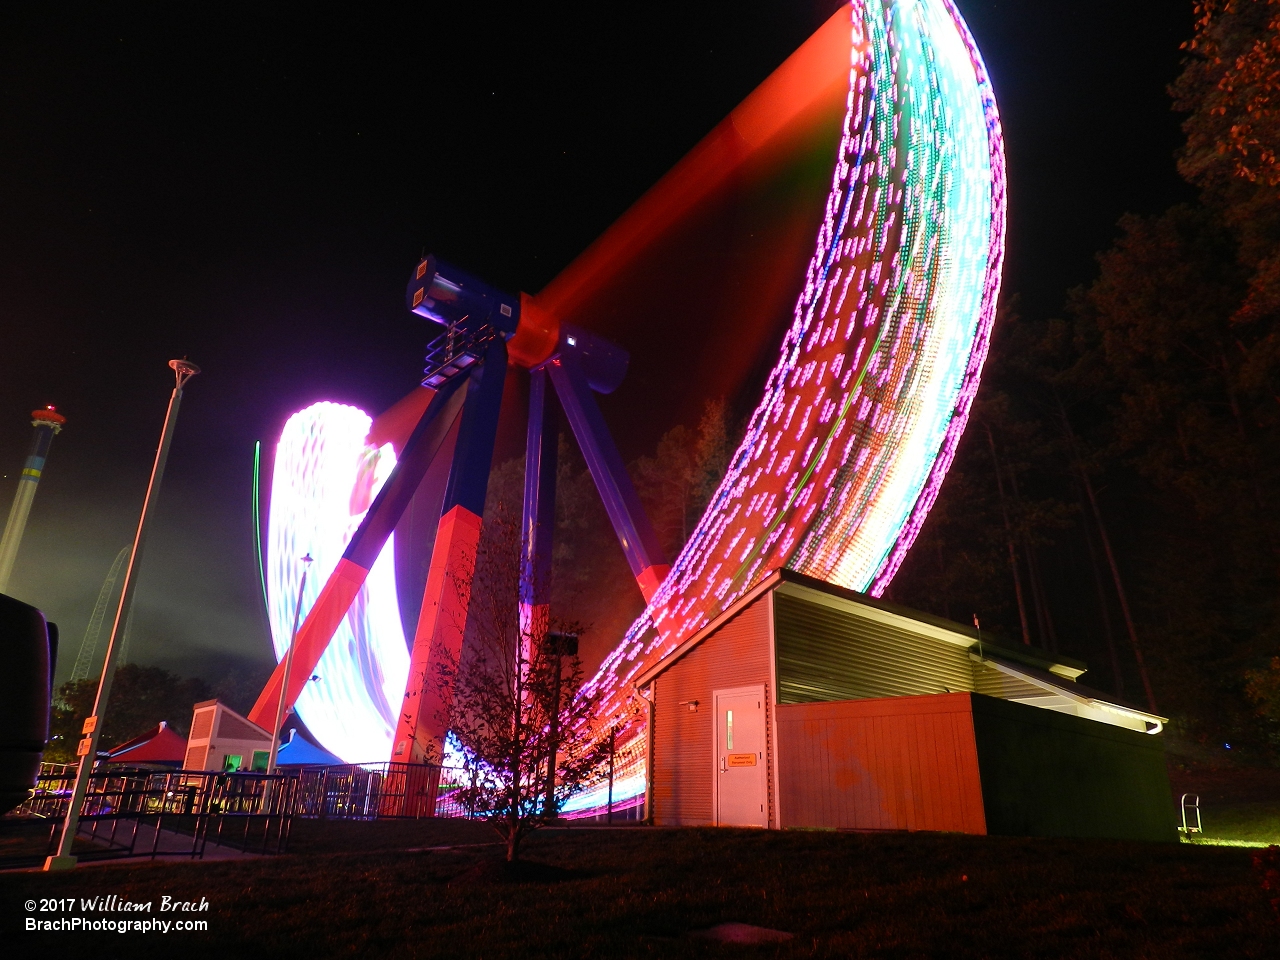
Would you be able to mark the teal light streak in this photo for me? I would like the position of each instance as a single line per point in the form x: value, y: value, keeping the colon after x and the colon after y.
x: 257, y: 522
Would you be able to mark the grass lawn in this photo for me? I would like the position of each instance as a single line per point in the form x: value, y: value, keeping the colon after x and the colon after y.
x: 1256, y: 823
x: 1237, y: 804
x: 350, y: 889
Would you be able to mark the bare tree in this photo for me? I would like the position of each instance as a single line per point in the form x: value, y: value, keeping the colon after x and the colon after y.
x: 518, y: 713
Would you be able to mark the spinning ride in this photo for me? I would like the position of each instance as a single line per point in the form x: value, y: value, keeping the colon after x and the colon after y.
x: 860, y: 415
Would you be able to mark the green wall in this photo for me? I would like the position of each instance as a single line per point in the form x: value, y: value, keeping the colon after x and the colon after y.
x: 1048, y: 774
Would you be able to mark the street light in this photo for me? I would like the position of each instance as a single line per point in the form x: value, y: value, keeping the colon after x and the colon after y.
x: 559, y: 646
x: 183, y: 370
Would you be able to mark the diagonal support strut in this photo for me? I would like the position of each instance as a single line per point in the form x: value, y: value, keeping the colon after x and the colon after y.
x: 370, y: 537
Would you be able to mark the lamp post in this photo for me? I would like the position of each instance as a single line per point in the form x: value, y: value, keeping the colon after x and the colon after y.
x: 183, y: 370
x: 288, y: 668
x: 560, y: 645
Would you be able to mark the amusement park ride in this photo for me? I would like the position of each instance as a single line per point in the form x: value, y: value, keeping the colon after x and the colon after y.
x: 890, y: 305
x: 466, y: 370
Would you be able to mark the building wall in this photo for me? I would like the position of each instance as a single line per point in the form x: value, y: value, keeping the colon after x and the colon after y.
x: 824, y: 653
x: 901, y: 763
x: 737, y: 655
x: 972, y: 764
x: 207, y: 748
x: 1052, y: 775
x: 201, y: 733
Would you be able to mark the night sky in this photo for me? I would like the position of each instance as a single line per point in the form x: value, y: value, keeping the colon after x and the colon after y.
x: 250, y: 187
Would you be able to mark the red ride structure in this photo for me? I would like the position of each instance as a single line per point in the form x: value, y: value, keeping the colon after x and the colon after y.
x: 883, y: 269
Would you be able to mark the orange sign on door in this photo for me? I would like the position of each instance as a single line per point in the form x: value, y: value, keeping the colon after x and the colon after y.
x: 741, y: 759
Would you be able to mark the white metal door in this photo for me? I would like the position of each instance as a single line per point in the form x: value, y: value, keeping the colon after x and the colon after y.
x: 740, y: 767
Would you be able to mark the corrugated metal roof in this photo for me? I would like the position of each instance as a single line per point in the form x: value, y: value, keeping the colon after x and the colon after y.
x: 825, y: 653
x: 919, y: 622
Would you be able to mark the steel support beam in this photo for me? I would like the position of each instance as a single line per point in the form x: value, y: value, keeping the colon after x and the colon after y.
x: 630, y: 522
x: 538, y: 521
x: 340, y: 590
x: 437, y: 644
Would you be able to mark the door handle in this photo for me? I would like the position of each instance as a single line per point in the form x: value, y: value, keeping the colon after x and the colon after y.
x: 723, y: 767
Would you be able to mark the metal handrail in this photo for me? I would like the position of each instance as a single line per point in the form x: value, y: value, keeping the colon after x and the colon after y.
x: 352, y: 791
x: 1194, y: 806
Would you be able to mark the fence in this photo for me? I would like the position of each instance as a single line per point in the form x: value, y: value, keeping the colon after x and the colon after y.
x: 130, y: 812
x: 380, y: 791
x: 358, y: 791
x: 169, y: 813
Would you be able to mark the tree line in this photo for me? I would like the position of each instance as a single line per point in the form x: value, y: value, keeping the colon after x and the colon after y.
x: 1114, y: 497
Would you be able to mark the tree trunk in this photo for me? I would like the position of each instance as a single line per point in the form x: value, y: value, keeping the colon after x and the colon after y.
x: 942, y: 579
x: 513, y: 837
x: 1111, y: 559
x: 1116, y: 675
x: 1044, y: 620
x: 1008, y: 530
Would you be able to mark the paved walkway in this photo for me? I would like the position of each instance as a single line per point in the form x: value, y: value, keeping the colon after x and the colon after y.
x: 170, y: 847
x: 170, y: 844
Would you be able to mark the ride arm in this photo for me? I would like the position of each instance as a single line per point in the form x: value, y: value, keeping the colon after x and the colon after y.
x: 370, y: 537
x: 630, y: 523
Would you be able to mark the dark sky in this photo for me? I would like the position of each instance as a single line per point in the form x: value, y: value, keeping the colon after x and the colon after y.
x: 249, y: 186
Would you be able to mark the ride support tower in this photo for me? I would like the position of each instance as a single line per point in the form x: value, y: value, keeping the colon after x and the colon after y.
x: 47, y: 422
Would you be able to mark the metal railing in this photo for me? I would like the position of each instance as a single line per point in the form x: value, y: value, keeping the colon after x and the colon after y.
x: 1191, y: 804
x: 380, y: 791
x: 170, y: 813
x: 361, y: 791
x: 133, y: 812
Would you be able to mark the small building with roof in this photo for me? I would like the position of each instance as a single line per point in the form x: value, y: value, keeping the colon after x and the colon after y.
x: 808, y: 705
x: 222, y: 739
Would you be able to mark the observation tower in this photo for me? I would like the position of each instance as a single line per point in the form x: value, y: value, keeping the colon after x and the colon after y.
x: 47, y: 422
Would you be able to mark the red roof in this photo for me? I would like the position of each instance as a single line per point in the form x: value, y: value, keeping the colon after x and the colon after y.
x: 158, y: 745
x: 48, y: 415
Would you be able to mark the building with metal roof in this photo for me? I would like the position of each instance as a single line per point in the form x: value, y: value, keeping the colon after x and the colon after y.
x: 808, y: 705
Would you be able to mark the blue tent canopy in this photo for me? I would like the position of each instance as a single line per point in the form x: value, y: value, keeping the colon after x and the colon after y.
x: 301, y: 752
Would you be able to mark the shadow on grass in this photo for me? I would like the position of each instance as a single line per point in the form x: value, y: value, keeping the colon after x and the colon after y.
x: 314, y: 836
x: 643, y: 892
x: 492, y: 870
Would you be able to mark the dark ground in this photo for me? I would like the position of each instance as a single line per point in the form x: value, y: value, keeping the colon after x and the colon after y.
x: 352, y: 889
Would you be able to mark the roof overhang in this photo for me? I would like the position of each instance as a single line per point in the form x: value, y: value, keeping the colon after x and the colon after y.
x: 790, y: 583
x: 1085, y: 701
x: 1053, y: 674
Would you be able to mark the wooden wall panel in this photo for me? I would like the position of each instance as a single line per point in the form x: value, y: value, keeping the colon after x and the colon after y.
x: 736, y: 655
x: 900, y: 763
